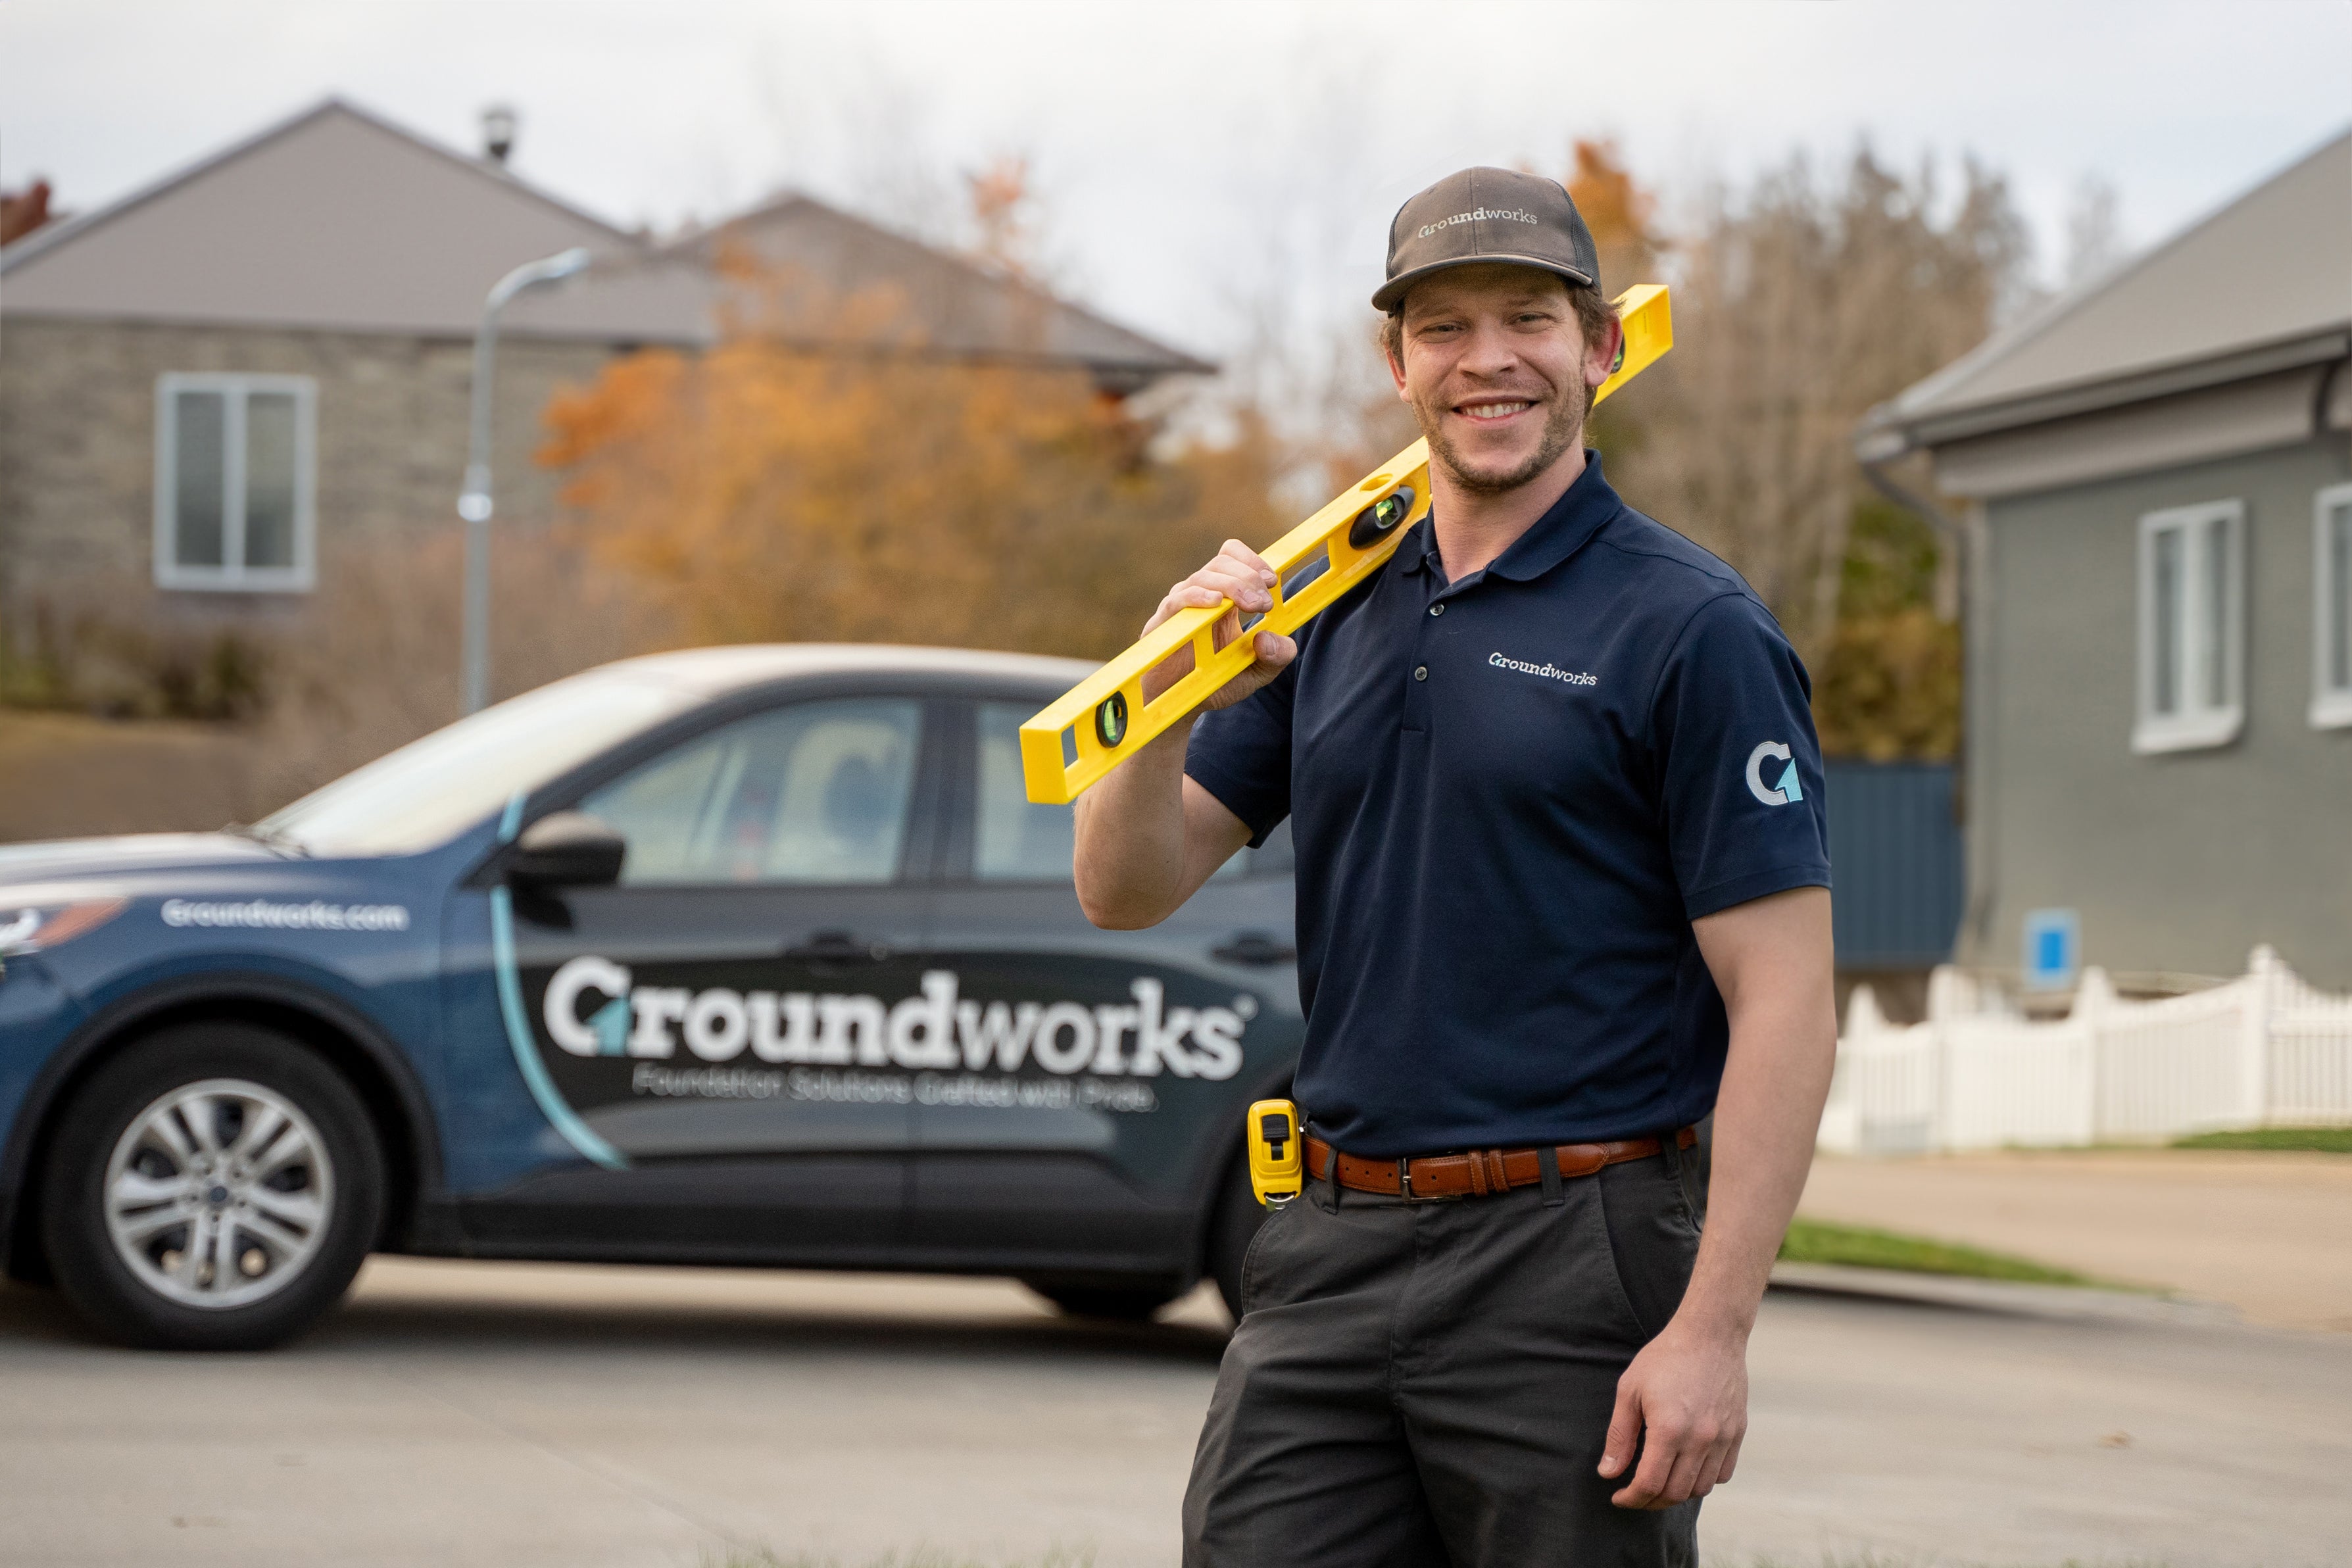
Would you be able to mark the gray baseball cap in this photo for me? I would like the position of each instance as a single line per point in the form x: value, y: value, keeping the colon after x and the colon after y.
x: 1488, y: 214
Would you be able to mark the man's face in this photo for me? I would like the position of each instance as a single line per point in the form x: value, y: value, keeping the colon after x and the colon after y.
x: 1497, y: 372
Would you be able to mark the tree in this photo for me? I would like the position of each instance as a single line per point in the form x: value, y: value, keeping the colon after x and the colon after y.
x: 1800, y: 308
x: 766, y: 491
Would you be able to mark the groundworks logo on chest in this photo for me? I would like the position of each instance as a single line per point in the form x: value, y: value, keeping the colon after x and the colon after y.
x: 997, y: 1050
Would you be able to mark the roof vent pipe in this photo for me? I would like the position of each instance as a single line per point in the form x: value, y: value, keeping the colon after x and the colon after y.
x: 498, y: 133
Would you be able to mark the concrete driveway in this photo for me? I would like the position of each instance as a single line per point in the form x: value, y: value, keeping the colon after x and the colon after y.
x: 523, y: 1416
x: 2270, y: 1234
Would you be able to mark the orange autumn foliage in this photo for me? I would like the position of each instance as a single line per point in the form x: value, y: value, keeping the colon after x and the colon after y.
x: 1619, y: 213
x: 766, y: 491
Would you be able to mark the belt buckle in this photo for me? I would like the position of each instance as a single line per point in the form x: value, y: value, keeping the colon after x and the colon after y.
x: 1405, y: 1180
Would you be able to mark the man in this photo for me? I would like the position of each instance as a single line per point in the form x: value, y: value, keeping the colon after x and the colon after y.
x: 1562, y: 876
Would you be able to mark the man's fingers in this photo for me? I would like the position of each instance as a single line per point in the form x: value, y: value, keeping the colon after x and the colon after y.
x: 1730, y: 1460
x: 1691, y: 1468
x: 1650, y: 1478
x: 1710, y: 1469
x: 1274, y: 652
x: 1242, y: 581
x: 1625, y: 1432
x: 1250, y: 561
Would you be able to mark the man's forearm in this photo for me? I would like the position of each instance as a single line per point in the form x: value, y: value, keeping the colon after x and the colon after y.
x: 1131, y: 836
x: 1766, y: 1117
x: 1773, y: 962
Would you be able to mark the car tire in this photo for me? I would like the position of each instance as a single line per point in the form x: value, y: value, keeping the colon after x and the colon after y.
x: 214, y: 1187
x: 1231, y: 1228
x: 1118, y: 1303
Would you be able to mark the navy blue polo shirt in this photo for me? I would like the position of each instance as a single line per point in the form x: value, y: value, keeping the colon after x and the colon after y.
x: 1511, y: 795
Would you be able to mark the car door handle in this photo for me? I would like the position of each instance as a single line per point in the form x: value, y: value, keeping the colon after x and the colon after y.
x: 1254, y: 947
x: 839, y: 947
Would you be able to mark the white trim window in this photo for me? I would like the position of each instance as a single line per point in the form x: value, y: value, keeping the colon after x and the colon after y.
x: 2331, y: 651
x: 235, y: 482
x: 2192, y: 628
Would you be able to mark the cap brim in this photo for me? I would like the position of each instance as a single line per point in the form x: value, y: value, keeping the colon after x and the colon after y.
x: 1392, y: 293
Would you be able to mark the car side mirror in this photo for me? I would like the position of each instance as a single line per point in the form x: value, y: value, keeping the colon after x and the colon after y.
x: 568, y: 849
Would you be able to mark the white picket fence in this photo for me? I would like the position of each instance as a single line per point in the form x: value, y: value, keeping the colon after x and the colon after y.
x: 2263, y: 1050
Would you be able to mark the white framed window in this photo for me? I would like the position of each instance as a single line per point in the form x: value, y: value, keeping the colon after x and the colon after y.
x: 235, y: 482
x: 2331, y: 652
x: 2192, y: 628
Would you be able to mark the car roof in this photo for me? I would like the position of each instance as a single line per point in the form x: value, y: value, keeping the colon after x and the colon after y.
x: 715, y: 671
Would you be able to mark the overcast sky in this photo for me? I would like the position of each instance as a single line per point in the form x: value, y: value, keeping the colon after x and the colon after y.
x: 1196, y: 158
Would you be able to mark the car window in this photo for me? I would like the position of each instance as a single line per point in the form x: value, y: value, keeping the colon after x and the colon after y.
x: 815, y: 793
x: 1017, y: 840
x: 431, y: 789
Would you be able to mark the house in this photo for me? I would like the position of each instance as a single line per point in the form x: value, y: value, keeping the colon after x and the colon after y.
x: 2158, y: 479
x: 206, y: 387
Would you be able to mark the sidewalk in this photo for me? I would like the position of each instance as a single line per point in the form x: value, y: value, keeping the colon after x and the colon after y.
x: 2270, y: 1234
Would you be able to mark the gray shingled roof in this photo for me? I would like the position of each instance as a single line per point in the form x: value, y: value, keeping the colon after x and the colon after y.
x: 338, y: 220
x: 2265, y: 284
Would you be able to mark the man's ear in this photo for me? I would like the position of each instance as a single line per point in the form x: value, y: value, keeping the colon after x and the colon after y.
x: 1599, y: 363
x: 1396, y: 366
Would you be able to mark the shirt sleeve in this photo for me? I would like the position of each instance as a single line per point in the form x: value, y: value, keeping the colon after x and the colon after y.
x: 1241, y: 754
x: 1739, y: 765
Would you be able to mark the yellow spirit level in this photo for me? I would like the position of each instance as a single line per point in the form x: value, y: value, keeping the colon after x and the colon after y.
x: 1277, y: 1151
x: 1104, y: 720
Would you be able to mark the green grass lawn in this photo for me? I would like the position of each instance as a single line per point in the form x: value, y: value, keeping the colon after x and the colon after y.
x: 1858, y: 1246
x: 2293, y: 1140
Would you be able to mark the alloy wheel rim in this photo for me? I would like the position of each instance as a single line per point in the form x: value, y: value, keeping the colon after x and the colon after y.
x: 217, y: 1194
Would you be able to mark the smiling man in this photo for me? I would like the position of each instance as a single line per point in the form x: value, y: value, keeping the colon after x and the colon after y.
x: 1562, y: 890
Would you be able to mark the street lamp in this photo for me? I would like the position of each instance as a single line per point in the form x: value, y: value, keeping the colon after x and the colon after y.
x: 475, y: 505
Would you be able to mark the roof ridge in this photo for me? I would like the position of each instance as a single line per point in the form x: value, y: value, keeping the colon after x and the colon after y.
x: 787, y: 198
x: 2051, y: 312
x: 52, y: 237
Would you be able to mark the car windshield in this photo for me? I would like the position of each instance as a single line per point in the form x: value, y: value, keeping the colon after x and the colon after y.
x: 428, y: 791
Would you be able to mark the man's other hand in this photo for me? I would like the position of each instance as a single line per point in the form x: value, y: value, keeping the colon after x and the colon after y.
x: 1239, y: 578
x: 1684, y: 1402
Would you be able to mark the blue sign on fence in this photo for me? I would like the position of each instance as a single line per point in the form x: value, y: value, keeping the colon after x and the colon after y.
x: 2054, y: 949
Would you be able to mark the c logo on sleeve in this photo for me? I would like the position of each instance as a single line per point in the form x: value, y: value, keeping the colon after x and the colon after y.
x: 1786, y: 789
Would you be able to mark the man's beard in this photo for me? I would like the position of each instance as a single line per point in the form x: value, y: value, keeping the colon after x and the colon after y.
x: 1563, y: 428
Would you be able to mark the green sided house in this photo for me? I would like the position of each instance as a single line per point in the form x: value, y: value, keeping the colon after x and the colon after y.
x: 2158, y: 473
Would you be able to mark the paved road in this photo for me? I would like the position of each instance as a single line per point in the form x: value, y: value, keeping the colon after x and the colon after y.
x: 524, y: 1416
x: 2271, y: 1234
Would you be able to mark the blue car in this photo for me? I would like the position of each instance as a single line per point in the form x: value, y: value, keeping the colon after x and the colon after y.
x: 741, y: 956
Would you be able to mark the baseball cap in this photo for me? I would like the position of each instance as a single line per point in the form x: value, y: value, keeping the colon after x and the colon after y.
x: 1488, y: 214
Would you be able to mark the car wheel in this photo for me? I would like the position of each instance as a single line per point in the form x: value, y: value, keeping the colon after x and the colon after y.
x: 1231, y: 1230
x: 1125, y: 1304
x: 213, y: 1188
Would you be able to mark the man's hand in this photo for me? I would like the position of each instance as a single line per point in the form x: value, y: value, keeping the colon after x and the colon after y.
x: 1238, y: 574
x: 1684, y: 1402
x: 1147, y: 835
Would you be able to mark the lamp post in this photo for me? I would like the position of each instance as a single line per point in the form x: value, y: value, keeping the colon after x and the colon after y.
x: 475, y: 505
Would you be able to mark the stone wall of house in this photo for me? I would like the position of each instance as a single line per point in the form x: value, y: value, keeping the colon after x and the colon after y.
x: 77, y: 407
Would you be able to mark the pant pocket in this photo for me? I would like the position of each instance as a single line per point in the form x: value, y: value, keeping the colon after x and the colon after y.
x: 1253, y: 1254
x: 1652, y: 1238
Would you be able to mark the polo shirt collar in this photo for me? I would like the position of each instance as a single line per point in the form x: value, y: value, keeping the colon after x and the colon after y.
x: 1573, y: 519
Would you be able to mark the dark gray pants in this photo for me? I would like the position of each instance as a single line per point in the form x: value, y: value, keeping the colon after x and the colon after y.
x: 1420, y: 1384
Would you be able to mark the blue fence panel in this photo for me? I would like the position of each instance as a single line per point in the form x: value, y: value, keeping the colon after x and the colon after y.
x: 1895, y: 855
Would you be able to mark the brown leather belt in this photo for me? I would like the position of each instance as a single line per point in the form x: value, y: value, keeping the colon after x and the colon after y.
x: 1479, y: 1172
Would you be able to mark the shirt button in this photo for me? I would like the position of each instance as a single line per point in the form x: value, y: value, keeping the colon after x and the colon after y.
x: 1436, y: 609
x: 1420, y: 672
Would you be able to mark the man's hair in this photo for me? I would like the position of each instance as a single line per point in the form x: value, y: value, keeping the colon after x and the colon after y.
x: 1593, y: 314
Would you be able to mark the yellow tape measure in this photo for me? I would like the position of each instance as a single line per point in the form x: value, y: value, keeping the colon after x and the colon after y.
x: 1104, y: 720
x: 1277, y: 1151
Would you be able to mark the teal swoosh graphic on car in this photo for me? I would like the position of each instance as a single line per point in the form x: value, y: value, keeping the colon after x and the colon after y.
x: 552, y: 1103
